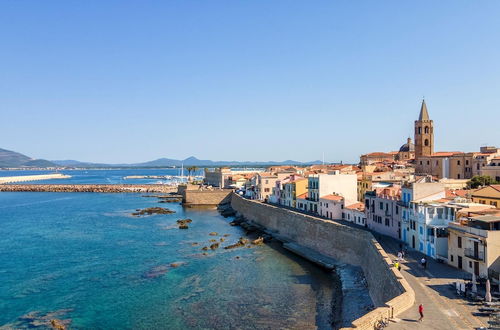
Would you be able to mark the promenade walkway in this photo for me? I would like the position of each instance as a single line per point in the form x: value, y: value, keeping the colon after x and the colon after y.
x: 443, y: 309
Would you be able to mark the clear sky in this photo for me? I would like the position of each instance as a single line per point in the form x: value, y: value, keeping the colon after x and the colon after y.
x: 131, y: 81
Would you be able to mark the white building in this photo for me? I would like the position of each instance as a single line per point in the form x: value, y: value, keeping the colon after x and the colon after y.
x: 319, y: 185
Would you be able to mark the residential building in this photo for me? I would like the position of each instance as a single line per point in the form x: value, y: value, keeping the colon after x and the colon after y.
x: 474, y: 245
x: 331, y: 206
x: 422, y: 190
x: 355, y: 213
x: 491, y: 169
x: 383, y: 212
x: 489, y: 195
x: 302, y: 202
x: 368, y: 181
x: 292, y: 189
x: 334, y: 182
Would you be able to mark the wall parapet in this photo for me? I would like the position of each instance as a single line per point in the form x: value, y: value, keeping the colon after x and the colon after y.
x: 390, y: 292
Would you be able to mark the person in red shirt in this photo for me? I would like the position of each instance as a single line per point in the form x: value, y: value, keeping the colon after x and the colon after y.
x: 421, y: 312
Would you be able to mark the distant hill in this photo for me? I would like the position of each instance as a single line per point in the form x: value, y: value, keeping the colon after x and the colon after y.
x: 14, y: 159
x: 190, y: 161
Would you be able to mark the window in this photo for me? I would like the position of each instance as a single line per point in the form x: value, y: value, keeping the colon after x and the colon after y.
x: 466, y: 162
x: 458, y: 162
x: 420, y: 162
x: 451, y: 257
x: 470, y: 264
x: 459, y: 242
x: 426, y: 142
x: 387, y: 222
x: 437, y: 163
x: 426, y: 130
x: 266, y: 189
x: 267, y: 181
x: 428, y: 162
x: 381, y: 205
x: 420, y: 130
x: 458, y: 176
x: 397, y: 209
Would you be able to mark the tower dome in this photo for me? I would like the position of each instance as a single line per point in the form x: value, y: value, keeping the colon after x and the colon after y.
x: 407, y: 147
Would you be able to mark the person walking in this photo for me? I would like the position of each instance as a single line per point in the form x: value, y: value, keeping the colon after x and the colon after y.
x: 424, y: 263
x: 421, y: 312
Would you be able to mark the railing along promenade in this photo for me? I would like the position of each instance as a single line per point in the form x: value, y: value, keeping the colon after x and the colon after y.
x: 97, y: 188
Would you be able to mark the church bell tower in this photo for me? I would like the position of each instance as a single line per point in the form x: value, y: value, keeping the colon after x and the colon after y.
x: 424, y: 134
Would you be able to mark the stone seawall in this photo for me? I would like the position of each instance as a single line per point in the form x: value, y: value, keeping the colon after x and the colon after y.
x: 99, y: 188
x: 390, y: 293
x: 205, y: 197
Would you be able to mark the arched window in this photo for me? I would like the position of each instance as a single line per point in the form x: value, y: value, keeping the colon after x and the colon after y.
x: 420, y: 130
x: 426, y: 129
x: 426, y: 142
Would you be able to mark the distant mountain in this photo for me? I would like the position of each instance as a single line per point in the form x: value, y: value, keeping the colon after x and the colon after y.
x: 14, y: 159
x: 190, y: 161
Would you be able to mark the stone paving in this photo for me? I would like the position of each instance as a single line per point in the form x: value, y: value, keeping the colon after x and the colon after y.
x: 443, y: 308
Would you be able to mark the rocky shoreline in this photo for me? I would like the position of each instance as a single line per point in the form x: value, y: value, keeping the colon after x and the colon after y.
x: 96, y: 188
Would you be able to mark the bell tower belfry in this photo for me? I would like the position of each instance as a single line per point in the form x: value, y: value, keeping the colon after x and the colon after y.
x: 424, y: 134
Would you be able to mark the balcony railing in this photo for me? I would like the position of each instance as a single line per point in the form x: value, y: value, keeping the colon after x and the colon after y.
x: 474, y: 254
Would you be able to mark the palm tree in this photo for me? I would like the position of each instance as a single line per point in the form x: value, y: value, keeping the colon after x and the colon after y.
x: 190, y: 170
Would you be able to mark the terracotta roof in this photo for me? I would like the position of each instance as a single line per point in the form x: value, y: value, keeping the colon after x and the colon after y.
x: 446, y: 153
x: 495, y: 186
x: 452, y: 193
x: 379, y: 154
x: 302, y: 196
x: 356, y: 206
x: 332, y: 197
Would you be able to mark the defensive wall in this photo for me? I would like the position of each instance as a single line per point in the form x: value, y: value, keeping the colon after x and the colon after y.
x: 204, y: 197
x: 390, y: 292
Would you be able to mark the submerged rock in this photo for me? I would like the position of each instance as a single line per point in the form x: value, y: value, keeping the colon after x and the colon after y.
x: 214, y: 246
x: 183, y: 223
x: 258, y: 241
x: 57, y: 324
x: 151, y: 211
x: 156, y: 271
x: 213, y: 233
x: 241, y: 242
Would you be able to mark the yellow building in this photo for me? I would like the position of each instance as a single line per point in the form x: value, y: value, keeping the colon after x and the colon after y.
x: 489, y: 195
x: 293, y: 189
x: 474, y: 245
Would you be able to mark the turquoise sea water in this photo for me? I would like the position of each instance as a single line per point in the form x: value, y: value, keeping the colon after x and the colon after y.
x: 99, y: 176
x: 86, y: 258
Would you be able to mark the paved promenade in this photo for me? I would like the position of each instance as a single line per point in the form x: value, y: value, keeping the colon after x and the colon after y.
x: 443, y: 309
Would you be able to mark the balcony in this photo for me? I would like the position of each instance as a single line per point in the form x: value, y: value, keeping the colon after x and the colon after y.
x: 474, y: 254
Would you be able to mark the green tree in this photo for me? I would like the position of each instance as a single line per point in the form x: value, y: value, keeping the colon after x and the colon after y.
x: 480, y: 180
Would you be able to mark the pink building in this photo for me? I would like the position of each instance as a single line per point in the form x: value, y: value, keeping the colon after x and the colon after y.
x: 331, y: 206
x: 383, y: 211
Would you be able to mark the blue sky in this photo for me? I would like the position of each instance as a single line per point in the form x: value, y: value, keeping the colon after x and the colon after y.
x: 131, y: 81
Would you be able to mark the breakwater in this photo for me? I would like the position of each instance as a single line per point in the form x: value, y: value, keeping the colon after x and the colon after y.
x: 97, y: 188
x: 390, y: 293
x: 26, y: 178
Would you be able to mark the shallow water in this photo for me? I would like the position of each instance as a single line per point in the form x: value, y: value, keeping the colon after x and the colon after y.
x: 84, y: 255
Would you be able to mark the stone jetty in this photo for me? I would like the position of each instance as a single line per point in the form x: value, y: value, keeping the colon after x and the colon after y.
x: 98, y: 188
x: 38, y: 177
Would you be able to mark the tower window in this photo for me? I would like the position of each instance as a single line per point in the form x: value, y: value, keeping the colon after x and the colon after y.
x: 426, y: 142
x: 420, y: 130
x: 426, y: 129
